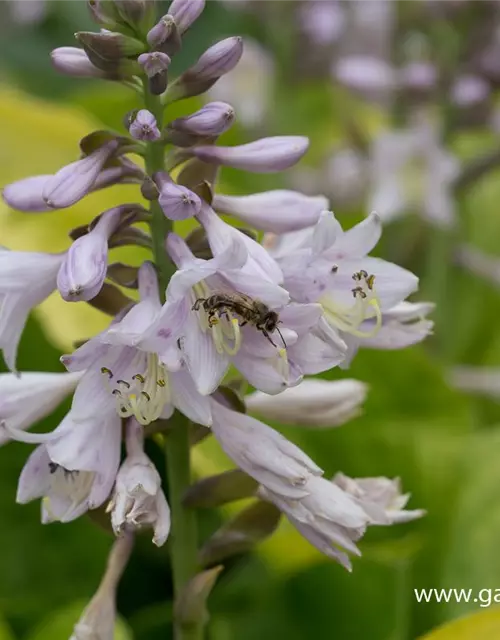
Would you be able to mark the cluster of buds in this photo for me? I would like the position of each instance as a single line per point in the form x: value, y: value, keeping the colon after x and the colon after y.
x: 298, y: 304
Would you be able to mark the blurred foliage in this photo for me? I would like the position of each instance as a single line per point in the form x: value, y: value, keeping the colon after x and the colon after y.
x: 444, y: 446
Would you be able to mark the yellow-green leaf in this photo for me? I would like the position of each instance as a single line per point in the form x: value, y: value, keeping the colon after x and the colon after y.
x: 484, y: 625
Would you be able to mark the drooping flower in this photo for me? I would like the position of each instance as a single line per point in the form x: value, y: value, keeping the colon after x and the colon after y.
x: 138, y: 500
x: 313, y: 403
x: 26, y: 279
x: 144, y: 127
x: 28, y: 398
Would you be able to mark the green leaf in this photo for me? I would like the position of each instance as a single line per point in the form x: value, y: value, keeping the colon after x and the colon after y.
x: 59, y: 625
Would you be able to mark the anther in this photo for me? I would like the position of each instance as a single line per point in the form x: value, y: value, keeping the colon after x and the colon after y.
x: 124, y: 382
x: 106, y: 371
x: 138, y: 376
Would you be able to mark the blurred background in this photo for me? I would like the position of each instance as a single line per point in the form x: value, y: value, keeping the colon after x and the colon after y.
x: 401, y: 102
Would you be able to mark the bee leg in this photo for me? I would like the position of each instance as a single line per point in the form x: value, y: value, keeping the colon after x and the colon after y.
x: 268, y: 337
x: 242, y: 324
x: 212, y: 320
x: 196, y: 305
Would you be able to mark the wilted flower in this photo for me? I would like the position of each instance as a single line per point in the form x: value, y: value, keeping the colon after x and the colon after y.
x: 138, y: 500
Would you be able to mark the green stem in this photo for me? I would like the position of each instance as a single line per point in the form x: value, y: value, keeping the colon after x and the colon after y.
x: 183, y: 537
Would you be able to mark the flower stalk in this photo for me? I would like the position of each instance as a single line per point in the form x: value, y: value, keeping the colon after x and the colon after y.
x: 183, y: 538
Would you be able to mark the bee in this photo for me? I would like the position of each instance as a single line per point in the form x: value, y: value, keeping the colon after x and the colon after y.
x: 253, y: 312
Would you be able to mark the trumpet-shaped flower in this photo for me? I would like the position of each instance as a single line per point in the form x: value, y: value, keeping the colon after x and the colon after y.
x: 26, y: 279
x: 136, y: 366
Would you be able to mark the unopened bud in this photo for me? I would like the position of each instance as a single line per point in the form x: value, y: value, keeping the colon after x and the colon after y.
x: 218, y: 60
x: 191, y: 605
x: 144, y: 127
x: 133, y: 12
x: 155, y: 66
x: 266, y: 155
x: 106, y: 49
x: 176, y: 201
x: 210, y: 121
x: 72, y: 61
x: 185, y: 12
x: 103, y: 12
x: 165, y: 36
x: 215, y: 491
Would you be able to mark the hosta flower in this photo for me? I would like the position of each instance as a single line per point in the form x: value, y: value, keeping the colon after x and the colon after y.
x: 74, y: 467
x: 240, y: 324
x: 26, y: 279
x: 313, y: 403
x: 381, y: 498
x: 137, y: 366
x: 263, y: 453
x: 327, y: 516
x: 329, y: 266
x: 138, y: 500
x: 411, y: 171
x: 28, y: 398
x: 484, y: 381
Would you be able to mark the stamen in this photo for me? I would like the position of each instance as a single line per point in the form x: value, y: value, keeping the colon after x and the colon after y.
x: 365, y: 307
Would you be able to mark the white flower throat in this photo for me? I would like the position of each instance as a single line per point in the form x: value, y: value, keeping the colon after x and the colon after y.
x: 225, y: 328
x: 71, y: 485
x: 366, y: 307
x: 145, y: 394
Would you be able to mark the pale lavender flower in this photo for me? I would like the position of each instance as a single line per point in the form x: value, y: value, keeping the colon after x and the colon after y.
x: 470, y: 90
x: 411, y: 171
x: 219, y: 59
x: 330, y: 266
x: 211, y: 120
x: 135, y: 366
x: 26, y: 279
x: 323, y: 21
x: 28, y: 398
x: 211, y: 341
x: 144, y: 127
x: 138, y: 500
x: 380, y: 498
x: 185, y: 12
x: 418, y: 76
x: 74, y: 467
x: 327, y: 516
x: 83, y: 270
x: 71, y: 183
x: 154, y: 63
x: 263, y: 453
x: 313, y: 403
x: 97, y: 621
x: 479, y: 263
x: 74, y: 62
x: 277, y: 211
x: 266, y: 155
x: 177, y: 202
x: 249, y: 86
x: 484, y: 381
x: 365, y: 73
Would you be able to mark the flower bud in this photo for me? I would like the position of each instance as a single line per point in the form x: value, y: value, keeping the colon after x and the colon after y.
x: 313, y: 403
x: 185, y: 12
x: 165, y: 36
x: 190, y: 605
x: 26, y: 194
x: 72, y: 61
x: 83, y: 271
x: 143, y: 127
x: 176, y: 201
x: 155, y: 66
x: 266, y: 155
x: 73, y: 182
x: 103, y: 12
x: 133, y: 11
x: 278, y: 211
x: 218, y: 60
x: 210, y: 121
x: 105, y: 50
